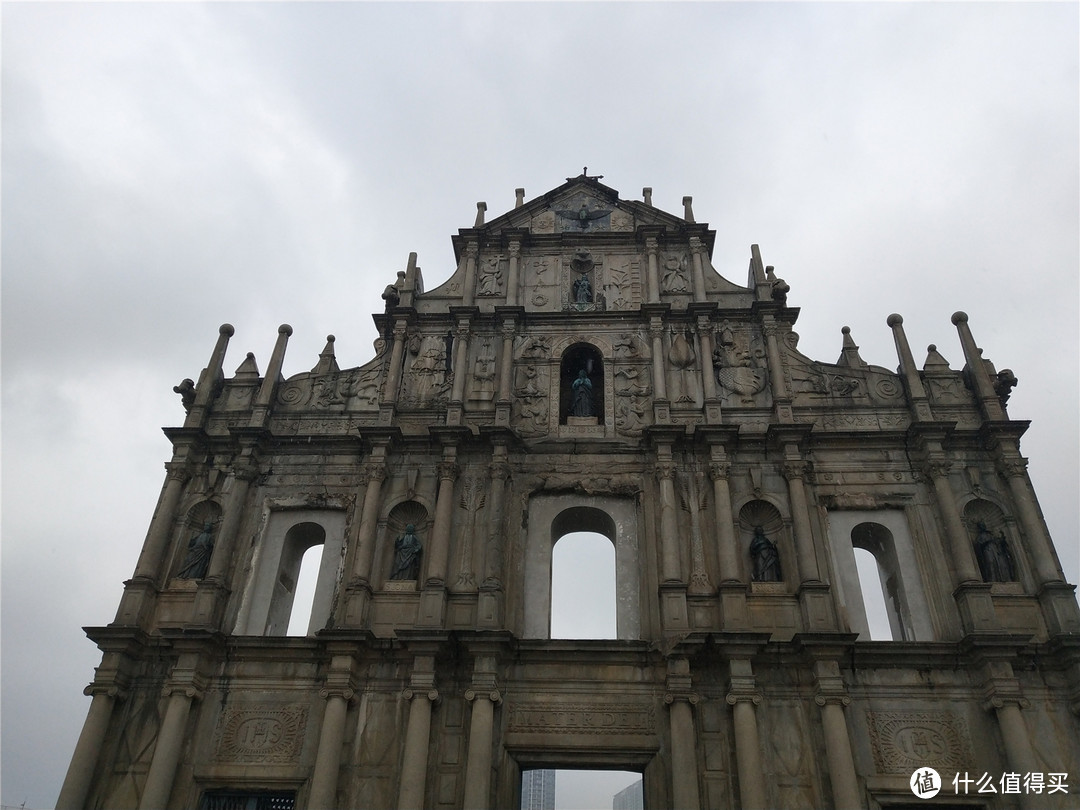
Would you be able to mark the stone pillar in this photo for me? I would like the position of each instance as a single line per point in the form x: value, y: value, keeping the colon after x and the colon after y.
x: 920, y: 405
x: 1014, y: 471
x: 776, y: 363
x: 513, y: 272
x: 956, y: 536
x: 337, y: 693
x: 208, y: 379
x: 360, y: 581
x: 684, y: 772
x: 708, y: 375
x: 397, y: 355
x: 727, y: 544
x: 794, y: 471
x: 670, y: 569
x: 845, y: 785
x: 80, y: 773
x: 748, y: 752
x: 977, y: 373
x: 1014, y: 733
x: 461, y: 355
x: 489, y: 614
x: 265, y: 398
x: 506, y: 364
x: 652, y: 280
x: 421, y: 694
x: 433, y: 597
x: 472, y: 250
x: 170, y: 739
x: 478, y: 765
x: 696, y: 249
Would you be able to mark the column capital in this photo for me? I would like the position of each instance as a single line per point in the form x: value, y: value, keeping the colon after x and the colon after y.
x: 934, y: 469
x: 795, y: 469
x: 177, y: 471
x: 665, y: 470
x: 493, y: 695
x: 372, y: 471
x: 1001, y: 701
x: 113, y: 691
x: 1011, y: 467
x: 719, y: 470
x: 689, y: 697
x: 187, y: 690
x: 449, y: 470
x: 830, y: 699
x: 344, y: 692
x: 750, y: 697
x: 652, y: 244
x: 409, y: 693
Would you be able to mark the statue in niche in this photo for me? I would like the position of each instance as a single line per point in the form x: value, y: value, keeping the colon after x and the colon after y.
x: 199, y: 550
x: 766, y: 557
x: 992, y: 552
x: 490, y: 278
x: 582, y: 290
x: 581, y: 403
x: 407, y: 551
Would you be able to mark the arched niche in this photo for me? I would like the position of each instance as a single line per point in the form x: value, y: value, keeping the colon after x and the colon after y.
x: 575, y: 359
x: 553, y: 516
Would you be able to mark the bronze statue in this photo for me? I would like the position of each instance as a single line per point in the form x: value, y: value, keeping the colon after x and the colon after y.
x: 582, y: 402
x: 582, y: 290
x: 199, y: 550
x: 992, y: 552
x: 407, y: 551
x: 766, y: 557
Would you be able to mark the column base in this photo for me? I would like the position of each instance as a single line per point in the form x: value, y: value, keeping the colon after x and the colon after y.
x: 673, y: 607
x: 817, y: 607
x: 734, y: 614
x: 976, y: 607
x: 432, y: 606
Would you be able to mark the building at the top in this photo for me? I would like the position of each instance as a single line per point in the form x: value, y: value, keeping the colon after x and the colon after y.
x: 587, y: 368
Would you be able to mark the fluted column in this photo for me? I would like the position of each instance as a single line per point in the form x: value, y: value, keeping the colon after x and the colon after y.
x: 513, y: 272
x: 80, y: 773
x: 1014, y: 471
x: 417, y: 740
x: 472, y: 250
x: 478, y: 764
x: 845, y: 785
x: 397, y: 355
x: 337, y: 693
x: 444, y: 510
x: 956, y: 536
x: 794, y: 471
x: 727, y: 544
x: 696, y: 249
x: 488, y: 609
x: 652, y: 249
x: 170, y: 738
x: 656, y: 333
x: 669, y: 527
x: 708, y: 375
x: 506, y: 364
x: 748, y: 750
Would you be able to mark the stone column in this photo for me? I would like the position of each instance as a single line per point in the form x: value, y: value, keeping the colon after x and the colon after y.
x: 920, y: 405
x: 661, y: 406
x: 845, y: 786
x: 204, y: 392
x: 397, y: 355
x: 513, y: 272
x: 652, y: 248
x: 264, y: 400
x: 794, y: 471
x: 669, y: 527
x: 488, y: 608
x: 417, y: 740
x: 478, y: 765
x: 708, y: 375
x: 461, y: 355
x: 727, y: 544
x: 337, y: 693
x: 80, y: 773
x: 696, y: 248
x: 439, y: 552
x: 956, y: 536
x: 472, y: 250
x: 984, y: 389
x: 748, y: 751
x: 1014, y: 733
x: 1014, y: 471
x: 776, y: 363
x: 684, y: 774
x: 170, y: 739
x: 506, y: 373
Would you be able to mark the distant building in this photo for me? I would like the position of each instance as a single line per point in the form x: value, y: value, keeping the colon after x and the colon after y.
x: 586, y: 367
x: 538, y: 790
x: 629, y: 798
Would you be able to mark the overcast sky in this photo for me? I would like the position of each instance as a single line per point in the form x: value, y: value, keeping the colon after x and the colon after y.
x: 167, y: 168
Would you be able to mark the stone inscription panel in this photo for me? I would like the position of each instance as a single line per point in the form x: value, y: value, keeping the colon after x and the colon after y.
x: 584, y: 718
x: 904, y: 741
x: 272, y: 733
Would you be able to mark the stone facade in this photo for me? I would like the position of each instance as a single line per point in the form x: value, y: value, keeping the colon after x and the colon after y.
x: 586, y: 368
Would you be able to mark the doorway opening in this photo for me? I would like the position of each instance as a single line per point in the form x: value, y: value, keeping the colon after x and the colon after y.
x: 581, y: 789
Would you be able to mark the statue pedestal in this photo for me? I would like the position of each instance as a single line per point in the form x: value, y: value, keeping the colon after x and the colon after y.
x: 582, y: 421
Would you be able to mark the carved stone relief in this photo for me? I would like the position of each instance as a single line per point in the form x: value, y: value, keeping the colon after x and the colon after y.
x: 675, y: 274
x: 904, y: 741
x: 682, y: 359
x: 490, y: 280
x: 623, y: 287
x: 531, y: 399
x: 426, y: 381
x: 738, y: 358
x: 264, y: 733
x: 583, y: 718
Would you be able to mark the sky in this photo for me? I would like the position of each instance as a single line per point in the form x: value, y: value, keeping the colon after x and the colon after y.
x: 169, y: 167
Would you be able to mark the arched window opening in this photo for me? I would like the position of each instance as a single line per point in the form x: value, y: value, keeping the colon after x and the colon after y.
x: 877, y: 613
x: 882, y: 596
x: 583, y: 587
x: 304, y: 595
x: 581, y: 384
x: 298, y: 540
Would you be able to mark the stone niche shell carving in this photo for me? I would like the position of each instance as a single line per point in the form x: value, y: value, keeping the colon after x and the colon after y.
x: 904, y: 741
x: 263, y: 733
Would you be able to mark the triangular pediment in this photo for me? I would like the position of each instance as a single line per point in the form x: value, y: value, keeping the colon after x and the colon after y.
x: 581, y: 205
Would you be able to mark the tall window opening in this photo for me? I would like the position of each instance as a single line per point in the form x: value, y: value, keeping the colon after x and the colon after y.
x: 300, y: 539
x: 583, y: 586
x: 880, y: 584
x: 304, y: 596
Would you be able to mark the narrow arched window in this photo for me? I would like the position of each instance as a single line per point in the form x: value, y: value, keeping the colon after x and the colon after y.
x: 884, y: 604
x: 583, y: 586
